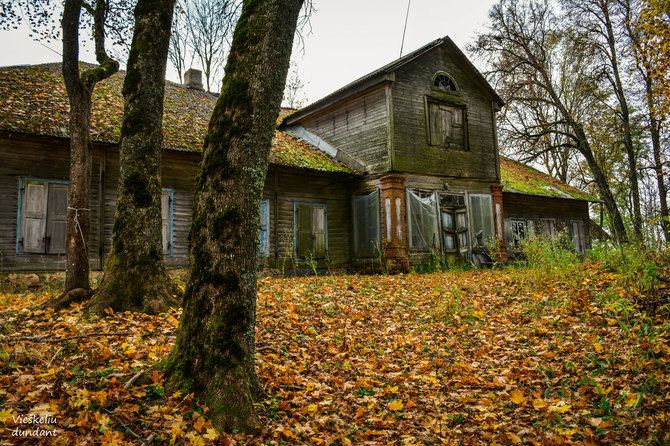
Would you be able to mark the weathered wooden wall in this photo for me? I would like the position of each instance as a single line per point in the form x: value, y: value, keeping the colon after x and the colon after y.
x: 48, y: 159
x: 534, y: 208
x: 283, y: 188
x: 411, y: 151
x: 357, y: 126
x: 38, y: 158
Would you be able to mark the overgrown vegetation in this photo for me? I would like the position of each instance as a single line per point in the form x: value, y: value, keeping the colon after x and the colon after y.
x: 551, y: 351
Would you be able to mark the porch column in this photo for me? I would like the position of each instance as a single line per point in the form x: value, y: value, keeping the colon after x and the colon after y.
x: 498, y: 220
x: 394, y: 234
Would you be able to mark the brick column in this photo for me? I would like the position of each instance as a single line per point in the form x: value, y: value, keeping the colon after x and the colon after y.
x: 499, y: 221
x: 394, y: 230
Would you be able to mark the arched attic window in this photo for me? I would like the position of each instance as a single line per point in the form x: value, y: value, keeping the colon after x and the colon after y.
x: 443, y: 82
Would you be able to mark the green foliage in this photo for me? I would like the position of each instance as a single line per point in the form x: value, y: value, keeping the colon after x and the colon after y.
x: 553, y: 259
x: 641, y: 272
x: 437, y: 262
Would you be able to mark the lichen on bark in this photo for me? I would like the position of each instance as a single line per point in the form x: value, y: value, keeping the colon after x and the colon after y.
x: 214, y: 351
x: 135, y: 276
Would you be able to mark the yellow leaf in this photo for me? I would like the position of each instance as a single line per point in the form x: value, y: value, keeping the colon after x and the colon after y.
x: 211, y: 434
x: 539, y: 404
x: 560, y: 408
x: 598, y: 347
x: 517, y: 397
x: 631, y: 400
x: 6, y: 414
x: 312, y: 408
x: 395, y: 405
x: 514, y: 438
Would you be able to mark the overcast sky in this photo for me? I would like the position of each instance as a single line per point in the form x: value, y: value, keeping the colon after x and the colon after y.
x: 349, y: 38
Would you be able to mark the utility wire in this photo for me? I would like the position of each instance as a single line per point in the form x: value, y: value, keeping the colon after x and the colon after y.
x: 402, y: 44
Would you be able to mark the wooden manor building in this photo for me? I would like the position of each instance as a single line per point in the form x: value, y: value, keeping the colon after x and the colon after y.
x: 397, y: 165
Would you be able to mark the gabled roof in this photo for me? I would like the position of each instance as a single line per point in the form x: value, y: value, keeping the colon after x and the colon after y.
x: 33, y: 101
x: 519, y: 178
x: 384, y: 73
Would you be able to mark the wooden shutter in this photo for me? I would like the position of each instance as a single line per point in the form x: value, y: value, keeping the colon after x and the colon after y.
x: 57, y: 218
x: 34, y: 216
x: 166, y: 220
x: 303, y: 240
x: 264, y: 245
x: 319, y: 231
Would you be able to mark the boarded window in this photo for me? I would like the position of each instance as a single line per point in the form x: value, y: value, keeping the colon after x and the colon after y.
x: 366, y: 224
x: 446, y: 126
x: 311, y: 237
x: 167, y: 202
x: 577, y: 234
x: 548, y: 227
x: 422, y: 224
x: 264, y: 242
x: 42, y: 217
x: 481, y: 217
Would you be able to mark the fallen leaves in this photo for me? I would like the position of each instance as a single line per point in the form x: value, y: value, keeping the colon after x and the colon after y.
x: 476, y: 357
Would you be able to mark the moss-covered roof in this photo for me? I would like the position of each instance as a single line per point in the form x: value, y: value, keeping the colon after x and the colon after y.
x: 33, y: 100
x: 517, y: 177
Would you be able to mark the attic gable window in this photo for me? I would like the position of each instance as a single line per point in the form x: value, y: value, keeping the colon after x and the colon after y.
x: 444, y: 82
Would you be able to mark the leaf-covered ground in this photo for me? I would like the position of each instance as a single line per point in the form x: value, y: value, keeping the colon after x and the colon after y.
x: 481, y: 357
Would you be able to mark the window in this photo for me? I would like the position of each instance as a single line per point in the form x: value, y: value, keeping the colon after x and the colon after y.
x: 548, y: 227
x: 422, y: 224
x: 311, y: 231
x: 167, y: 219
x: 42, y: 220
x: 443, y: 82
x: 454, y: 223
x: 481, y: 217
x: 577, y: 235
x: 366, y: 224
x: 264, y: 245
x: 519, y: 232
x: 446, y: 125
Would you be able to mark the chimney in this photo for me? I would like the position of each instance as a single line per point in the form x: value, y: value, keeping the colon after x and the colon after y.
x: 193, y: 79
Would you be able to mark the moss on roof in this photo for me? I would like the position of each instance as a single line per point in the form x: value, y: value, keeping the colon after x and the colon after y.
x: 33, y: 100
x: 517, y: 177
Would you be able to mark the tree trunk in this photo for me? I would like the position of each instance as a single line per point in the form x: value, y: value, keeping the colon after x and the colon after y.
x: 79, y: 89
x: 625, y: 120
x: 658, y: 168
x: 135, y: 277
x: 214, y: 351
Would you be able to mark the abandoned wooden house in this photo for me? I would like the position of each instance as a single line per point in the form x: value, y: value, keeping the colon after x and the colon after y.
x: 397, y: 165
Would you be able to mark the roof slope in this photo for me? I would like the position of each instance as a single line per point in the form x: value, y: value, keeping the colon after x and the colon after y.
x: 519, y: 178
x: 33, y: 100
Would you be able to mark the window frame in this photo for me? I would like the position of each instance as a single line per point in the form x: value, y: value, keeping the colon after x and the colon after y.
x: 295, y: 228
x: 452, y: 103
x: 582, y: 237
x: 515, y: 244
x: 555, y: 231
x: 433, y: 87
x: 456, y: 232
x: 19, y: 213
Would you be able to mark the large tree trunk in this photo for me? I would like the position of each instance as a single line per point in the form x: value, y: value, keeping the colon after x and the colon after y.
x: 625, y: 120
x: 79, y: 89
x: 214, y: 351
x: 135, y: 277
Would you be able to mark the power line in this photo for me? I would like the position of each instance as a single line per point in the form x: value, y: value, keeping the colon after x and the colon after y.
x: 402, y: 44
